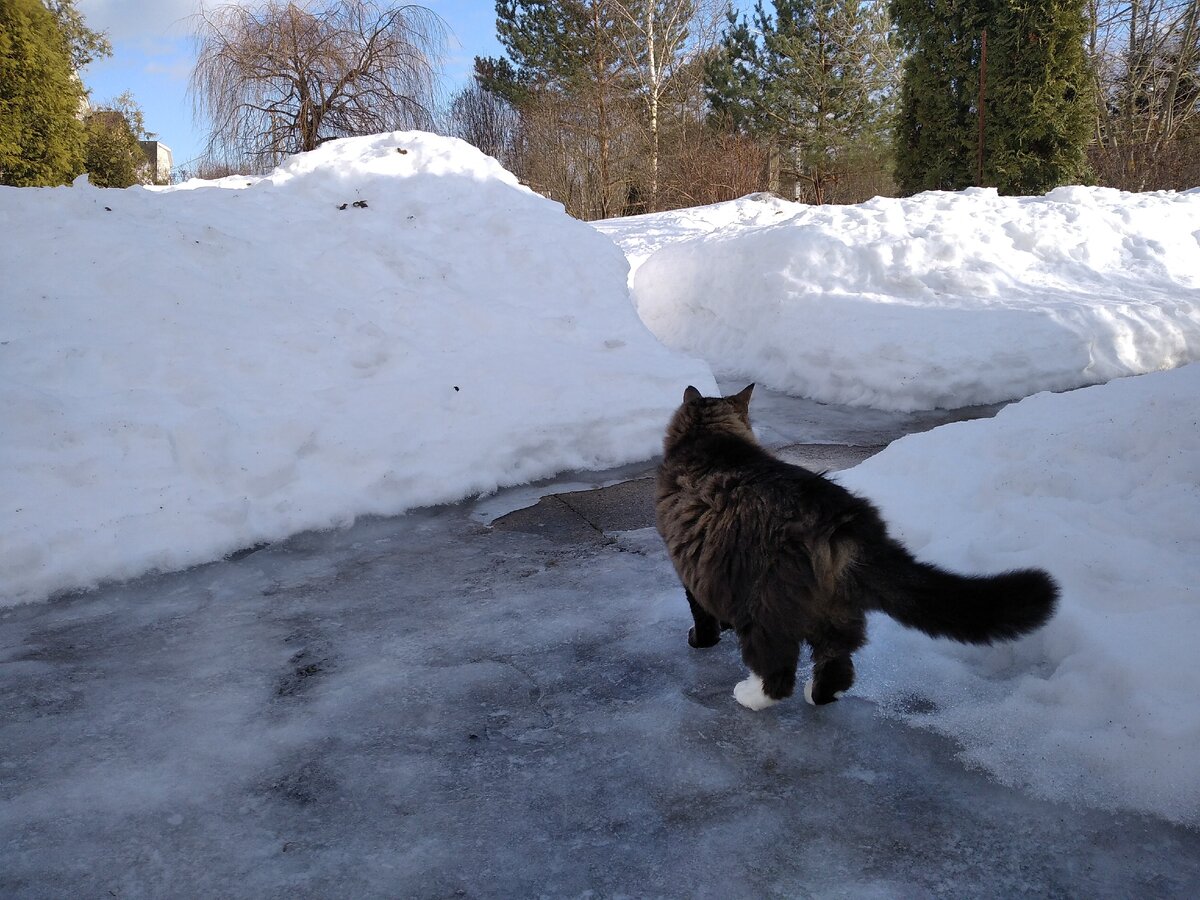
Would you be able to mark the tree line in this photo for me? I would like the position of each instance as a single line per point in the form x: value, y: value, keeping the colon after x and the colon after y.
x: 624, y: 106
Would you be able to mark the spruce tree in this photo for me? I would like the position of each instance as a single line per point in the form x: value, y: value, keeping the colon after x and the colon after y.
x: 41, y: 139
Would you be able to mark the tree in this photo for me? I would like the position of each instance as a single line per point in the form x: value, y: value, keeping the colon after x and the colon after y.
x: 85, y: 45
x: 1040, y: 110
x: 485, y: 120
x: 1145, y: 62
x: 1037, y: 110
x: 658, y: 38
x: 606, y: 105
x: 571, y: 84
x: 114, y: 158
x: 41, y: 140
x: 815, y: 79
x: 935, y: 129
x: 282, y: 78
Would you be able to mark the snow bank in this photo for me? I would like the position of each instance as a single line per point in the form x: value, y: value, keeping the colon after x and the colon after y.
x: 939, y: 300
x: 184, y: 372
x: 640, y: 237
x: 1102, y: 488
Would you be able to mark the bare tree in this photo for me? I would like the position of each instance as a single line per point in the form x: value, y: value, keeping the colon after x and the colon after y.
x: 485, y: 120
x: 281, y: 78
x: 1146, y: 59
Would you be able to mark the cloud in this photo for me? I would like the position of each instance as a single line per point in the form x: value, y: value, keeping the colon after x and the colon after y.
x: 180, y: 69
x: 127, y: 20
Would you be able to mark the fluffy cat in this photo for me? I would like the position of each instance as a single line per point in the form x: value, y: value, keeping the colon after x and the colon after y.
x: 785, y: 556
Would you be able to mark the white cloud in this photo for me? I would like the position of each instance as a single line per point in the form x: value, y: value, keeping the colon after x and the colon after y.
x: 136, y: 19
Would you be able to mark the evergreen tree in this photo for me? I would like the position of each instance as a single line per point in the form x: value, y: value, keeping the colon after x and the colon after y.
x: 566, y: 67
x: 1038, y: 109
x: 85, y: 45
x: 113, y: 158
x: 734, y: 79
x: 935, y: 136
x: 41, y: 140
x: 547, y: 42
x: 816, y: 82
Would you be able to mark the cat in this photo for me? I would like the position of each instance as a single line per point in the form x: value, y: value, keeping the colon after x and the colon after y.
x: 785, y: 556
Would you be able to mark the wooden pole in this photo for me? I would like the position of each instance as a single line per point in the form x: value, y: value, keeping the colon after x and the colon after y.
x: 982, y: 104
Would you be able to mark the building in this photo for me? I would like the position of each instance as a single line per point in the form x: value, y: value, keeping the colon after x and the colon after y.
x: 161, y: 162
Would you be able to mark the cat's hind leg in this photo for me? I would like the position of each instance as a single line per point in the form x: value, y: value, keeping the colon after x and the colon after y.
x: 833, y: 667
x: 772, y: 659
x: 707, y: 630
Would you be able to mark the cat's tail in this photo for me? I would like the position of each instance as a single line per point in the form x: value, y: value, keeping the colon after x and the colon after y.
x: 974, y: 609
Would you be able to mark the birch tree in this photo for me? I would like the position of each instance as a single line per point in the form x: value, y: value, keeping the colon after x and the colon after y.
x: 657, y: 38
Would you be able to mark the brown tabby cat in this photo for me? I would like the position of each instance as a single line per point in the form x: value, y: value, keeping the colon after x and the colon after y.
x: 783, y: 555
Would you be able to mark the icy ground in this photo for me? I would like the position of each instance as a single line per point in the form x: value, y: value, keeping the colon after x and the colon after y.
x: 424, y: 706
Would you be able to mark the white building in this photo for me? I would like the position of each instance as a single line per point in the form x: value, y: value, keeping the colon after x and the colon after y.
x: 161, y: 162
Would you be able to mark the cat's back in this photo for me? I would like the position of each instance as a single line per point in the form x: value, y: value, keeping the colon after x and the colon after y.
x: 738, y: 487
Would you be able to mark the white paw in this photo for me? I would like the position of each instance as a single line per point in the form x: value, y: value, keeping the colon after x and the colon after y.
x: 750, y: 694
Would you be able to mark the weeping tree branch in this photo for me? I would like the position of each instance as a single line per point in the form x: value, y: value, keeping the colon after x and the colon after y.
x: 281, y: 78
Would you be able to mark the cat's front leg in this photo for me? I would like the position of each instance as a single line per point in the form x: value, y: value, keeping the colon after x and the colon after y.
x: 707, y: 630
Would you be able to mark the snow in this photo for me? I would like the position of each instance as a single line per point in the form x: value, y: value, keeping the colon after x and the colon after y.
x: 938, y: 300
x: 189, y: 371
x: 186, y: 372
x: 1101, y: 487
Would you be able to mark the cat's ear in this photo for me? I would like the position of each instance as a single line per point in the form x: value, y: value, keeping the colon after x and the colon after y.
x: 691, y: 394
x: 742, y: 398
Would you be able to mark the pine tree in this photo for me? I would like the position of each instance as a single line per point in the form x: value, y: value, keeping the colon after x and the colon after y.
x: 565, y: 65
x: 41, y: 140
x: 1038, y: 108
x: 816, y: 83
x: 735, y: 82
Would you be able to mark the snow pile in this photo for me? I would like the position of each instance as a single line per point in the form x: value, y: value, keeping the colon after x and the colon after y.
x: 640, y: 237
x: 384, y: 323
x: 1101, y: 487
x: 939, y: 300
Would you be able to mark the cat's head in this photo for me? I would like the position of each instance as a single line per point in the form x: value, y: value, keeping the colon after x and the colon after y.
x: 699, y: 415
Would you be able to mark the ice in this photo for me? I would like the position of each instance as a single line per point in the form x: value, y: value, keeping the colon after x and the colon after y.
x: 420, y: 706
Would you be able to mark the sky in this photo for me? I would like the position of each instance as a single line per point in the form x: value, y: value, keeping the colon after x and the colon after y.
x: 153, y: 56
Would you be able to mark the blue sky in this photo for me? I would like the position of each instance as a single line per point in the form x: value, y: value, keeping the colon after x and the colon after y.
x: 152, y: 58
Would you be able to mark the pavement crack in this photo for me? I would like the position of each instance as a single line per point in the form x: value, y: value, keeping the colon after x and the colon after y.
x: 600, y: 531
